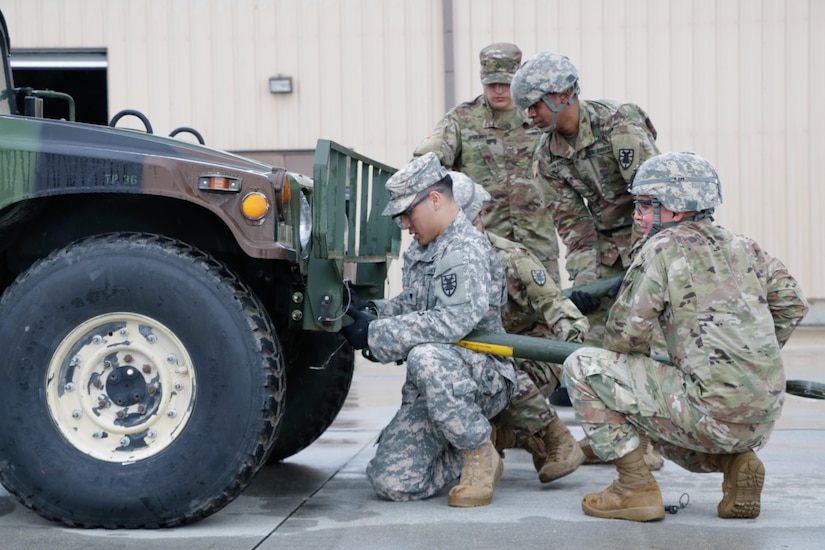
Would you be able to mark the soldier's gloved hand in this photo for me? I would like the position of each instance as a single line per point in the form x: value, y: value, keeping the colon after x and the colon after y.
x: 614, y: 290
x: 586, y: 302
x: 367, y: 305
x: 356, y: 332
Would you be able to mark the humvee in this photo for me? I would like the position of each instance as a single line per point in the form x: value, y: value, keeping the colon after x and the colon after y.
x: 170, y: 312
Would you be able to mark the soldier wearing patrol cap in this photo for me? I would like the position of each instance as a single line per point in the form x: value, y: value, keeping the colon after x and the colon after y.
x: 492, y: 141
x: 453, y: 283
x: 726, y: 307
x: 535, y: 307
x: 586, y: 155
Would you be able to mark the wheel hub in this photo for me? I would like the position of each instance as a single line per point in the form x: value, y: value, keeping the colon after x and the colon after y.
x: 121, y: 387
x: 125, y: 386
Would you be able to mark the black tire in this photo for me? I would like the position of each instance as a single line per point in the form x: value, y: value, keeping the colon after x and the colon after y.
x: 319, y: 373
x: 142, y: 384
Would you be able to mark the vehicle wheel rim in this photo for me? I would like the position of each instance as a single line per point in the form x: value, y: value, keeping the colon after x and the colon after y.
x: 121, y: 387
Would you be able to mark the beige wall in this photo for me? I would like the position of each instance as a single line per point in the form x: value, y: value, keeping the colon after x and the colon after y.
x: 736, y: 81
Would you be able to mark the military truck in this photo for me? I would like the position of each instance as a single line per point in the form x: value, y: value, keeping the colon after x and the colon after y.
x: 170, y: 312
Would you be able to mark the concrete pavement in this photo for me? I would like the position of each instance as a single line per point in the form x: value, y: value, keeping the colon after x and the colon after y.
x: 320, y: 498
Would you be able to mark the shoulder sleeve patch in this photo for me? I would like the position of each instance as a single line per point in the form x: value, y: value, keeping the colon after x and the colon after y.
x: 450, y: 279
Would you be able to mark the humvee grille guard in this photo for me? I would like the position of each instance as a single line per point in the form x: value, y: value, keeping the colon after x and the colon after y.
x: 349, y: 235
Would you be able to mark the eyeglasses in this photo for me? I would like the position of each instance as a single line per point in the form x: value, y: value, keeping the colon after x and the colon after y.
x: 408, y: 211
x: 638, y: 204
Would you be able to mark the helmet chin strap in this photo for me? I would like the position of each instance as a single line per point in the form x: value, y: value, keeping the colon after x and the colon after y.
x: 657, y: 218
x: 556, y: 109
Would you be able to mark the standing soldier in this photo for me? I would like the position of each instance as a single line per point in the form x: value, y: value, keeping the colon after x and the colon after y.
x: 586, y: 156
x: 492, y: 141
x: 726, y: 308
x: 453, y: 284
x: 535, y: 307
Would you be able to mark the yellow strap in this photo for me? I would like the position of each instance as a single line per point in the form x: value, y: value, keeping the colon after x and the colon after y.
x: 495, y: 349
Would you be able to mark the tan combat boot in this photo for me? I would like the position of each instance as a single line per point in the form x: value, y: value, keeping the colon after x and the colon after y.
x: 503, y: 438
x: 742, y: 485
x: 482, y: 470
x: 634, y: 496
x: 653, y: 458
x: 555, y: 452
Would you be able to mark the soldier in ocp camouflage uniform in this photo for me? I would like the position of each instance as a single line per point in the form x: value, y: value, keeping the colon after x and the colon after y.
x: 453, y: 283
x: 726, y: 308
x: 492, y: 141
x: 585, y: 157
x: 535, y: 307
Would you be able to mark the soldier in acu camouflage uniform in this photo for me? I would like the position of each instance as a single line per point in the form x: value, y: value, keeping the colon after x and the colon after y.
x: 453, y: 283
x: 726, y: 308
x: 535, y: 307
x: 492, y: 141
x: 586, y: 155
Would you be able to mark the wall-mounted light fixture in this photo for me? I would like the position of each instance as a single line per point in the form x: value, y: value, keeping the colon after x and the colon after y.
x: 280, y: 84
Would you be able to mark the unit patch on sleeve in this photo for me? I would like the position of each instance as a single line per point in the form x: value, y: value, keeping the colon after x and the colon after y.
x: 449, y: 283
x: 626, y: 157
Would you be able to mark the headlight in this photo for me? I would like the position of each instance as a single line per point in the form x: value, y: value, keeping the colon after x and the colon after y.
x: 305, y: 225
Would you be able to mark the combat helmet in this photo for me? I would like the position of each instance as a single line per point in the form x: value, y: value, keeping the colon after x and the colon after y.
x: 681, y: 182
x: 544, y: 73
x: 469, y: 195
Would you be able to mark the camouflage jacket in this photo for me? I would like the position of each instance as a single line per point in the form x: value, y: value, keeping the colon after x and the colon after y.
x: 452, y: 286
x: 496, y: 150
x: 726, y: 308
x: 535, y: 305
x: 587, y: 181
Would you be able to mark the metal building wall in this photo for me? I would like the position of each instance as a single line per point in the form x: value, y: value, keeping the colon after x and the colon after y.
x: 734, y: 80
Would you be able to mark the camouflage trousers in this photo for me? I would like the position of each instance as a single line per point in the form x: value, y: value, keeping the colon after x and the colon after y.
x: 529, y: 411
x: 449, y: 394
x: 615, y: 395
